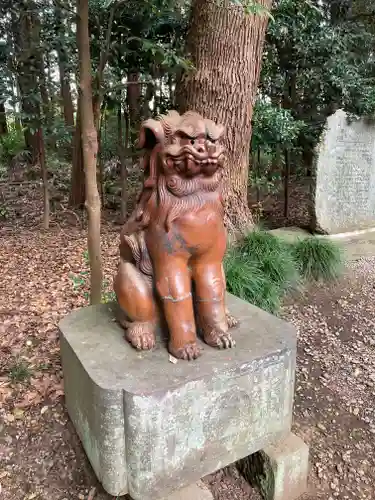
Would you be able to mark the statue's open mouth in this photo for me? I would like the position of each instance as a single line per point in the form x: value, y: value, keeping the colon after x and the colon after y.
x: 178, y: 154
x: 204, y: 161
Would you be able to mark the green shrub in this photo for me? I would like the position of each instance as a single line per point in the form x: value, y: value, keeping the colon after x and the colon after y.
x: 263, y: 268
x: 273, y: 257
x: 318, y: 259
x: 260, y: 270
x: 4, y: 212
x: 12, y: 145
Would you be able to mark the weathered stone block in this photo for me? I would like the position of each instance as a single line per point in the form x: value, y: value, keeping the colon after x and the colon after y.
x: 280, y: 470
x: 150, y: 427
x: 197, y: 491
x: 343, y: 197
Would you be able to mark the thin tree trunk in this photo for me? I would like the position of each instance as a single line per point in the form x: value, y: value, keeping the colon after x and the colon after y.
x: 149, y: 94
x: 44, y: 172
x: 90, y: 149
x: 17, y: 114
x: 122, y: 155
x: 100, y: 156
x: 171, y: 90
x: 225, y: 46
x: 258, y: 167
x: 104, y: 54
x: 46, y: 106
x: 286, y: 182
x: 77, y: 183
x: 66, y: 94
x: 3, y: 119
x: 134, y: 100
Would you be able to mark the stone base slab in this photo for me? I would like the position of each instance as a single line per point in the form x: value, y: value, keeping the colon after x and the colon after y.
x: 150, y: 427
x: 280, y: 470
x: 197, y: 491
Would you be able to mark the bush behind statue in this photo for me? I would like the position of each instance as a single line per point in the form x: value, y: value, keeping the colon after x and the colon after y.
x: 262, y: 269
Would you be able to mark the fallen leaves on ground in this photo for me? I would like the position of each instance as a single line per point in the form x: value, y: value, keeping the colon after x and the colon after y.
x: 37, y: 288
x: 41, y: 457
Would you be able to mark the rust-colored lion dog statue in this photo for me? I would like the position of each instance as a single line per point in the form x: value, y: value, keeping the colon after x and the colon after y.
x: 172, y: 246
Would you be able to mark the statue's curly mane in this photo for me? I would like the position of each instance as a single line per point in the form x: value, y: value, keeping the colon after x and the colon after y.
x: 171, y: 197
x: 166, y: 197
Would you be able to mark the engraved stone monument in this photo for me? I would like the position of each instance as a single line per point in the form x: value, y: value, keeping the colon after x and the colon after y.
x: 344, y: 195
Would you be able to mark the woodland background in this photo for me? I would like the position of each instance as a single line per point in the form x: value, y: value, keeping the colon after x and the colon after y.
x: 72, y: 76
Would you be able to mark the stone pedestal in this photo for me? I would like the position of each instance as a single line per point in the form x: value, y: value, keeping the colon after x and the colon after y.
x: 280, y: 470
x: 151, y: 427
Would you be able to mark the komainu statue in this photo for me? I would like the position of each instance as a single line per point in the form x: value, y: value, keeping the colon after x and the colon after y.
x: 172, y: 246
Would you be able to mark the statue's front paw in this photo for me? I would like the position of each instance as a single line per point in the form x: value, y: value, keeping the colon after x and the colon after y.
x: 141, y: 336
x: 188, y: 352
x: 231, y: 320
x: 220, y: 339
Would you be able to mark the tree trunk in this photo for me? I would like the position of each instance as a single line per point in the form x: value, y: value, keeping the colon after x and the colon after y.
x: 149, y: 94
x: 100, y: 166
x: 77, y: 184
x: 66, y: 94
x: 225, y: 46
x: 286, y: 182
x: 3, y: 119
x: 171, y: 90
x: 44, y: 175
x: 134, y: 100
x: 122, y: 146
x: 26, y: 29
x: 90, y: 149
x: 46, y: 107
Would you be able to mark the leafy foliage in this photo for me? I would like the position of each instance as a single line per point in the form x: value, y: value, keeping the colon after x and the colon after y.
x: 12, y: 146
x: 317, y: 58
x: 273, y: 126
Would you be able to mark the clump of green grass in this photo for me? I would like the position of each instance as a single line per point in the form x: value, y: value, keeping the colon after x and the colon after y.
x: 263, y: 268
x: 318, y: 259
x: 19, y: 371
x: 273, y: 257
x: 246, y: 280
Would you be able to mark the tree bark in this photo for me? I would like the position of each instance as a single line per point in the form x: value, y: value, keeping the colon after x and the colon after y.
x: 100, y: 166
x: 66, y: 94
x: 225, y: 46
x: 77, y: 183
x: 3, y: 119
x: 104, y: 54
x: 46, y: 108
x: 26, y: 29
x: 77, y: 194
x: 149, y: 94
x: 134, y: 99
x: 44, y: 175
x: 122, y: 146
x: 90, y: 149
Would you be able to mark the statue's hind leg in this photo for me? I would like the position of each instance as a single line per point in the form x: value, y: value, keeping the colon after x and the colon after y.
x: 138, y: 309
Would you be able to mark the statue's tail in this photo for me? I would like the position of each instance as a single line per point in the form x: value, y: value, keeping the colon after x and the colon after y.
x: 137, y: 245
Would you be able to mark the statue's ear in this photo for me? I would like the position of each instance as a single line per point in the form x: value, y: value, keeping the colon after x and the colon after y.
x: 151, y: 133
x: 214, y: 130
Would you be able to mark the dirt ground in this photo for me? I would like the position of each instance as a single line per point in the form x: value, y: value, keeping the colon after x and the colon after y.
x: 42, y: 279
